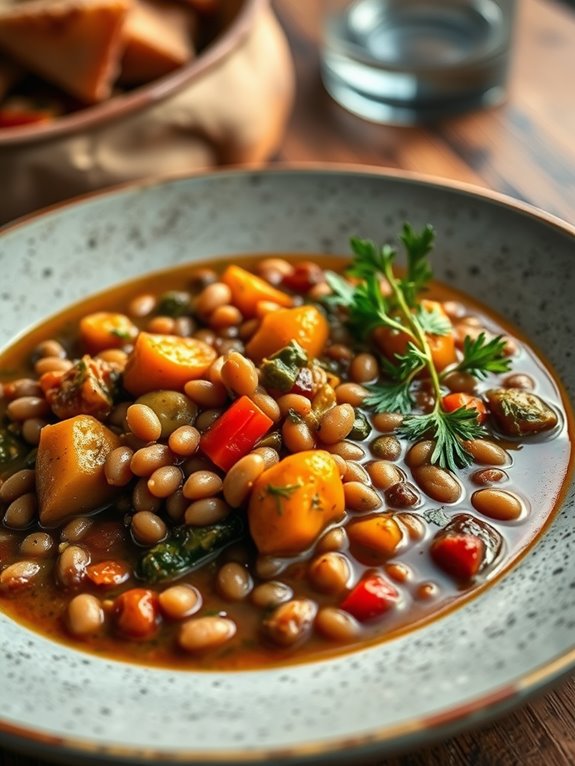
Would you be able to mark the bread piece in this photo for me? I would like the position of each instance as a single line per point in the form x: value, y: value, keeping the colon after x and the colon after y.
x: 159, y: 37
x: 75, y: 44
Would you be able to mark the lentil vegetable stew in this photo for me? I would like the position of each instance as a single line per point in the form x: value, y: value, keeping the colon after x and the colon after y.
x: 243, y: 465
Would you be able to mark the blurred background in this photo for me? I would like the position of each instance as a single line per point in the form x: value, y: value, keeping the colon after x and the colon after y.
x: 196, y: 84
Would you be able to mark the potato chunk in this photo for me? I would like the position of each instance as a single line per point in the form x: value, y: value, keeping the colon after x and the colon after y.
x: 70, y: 476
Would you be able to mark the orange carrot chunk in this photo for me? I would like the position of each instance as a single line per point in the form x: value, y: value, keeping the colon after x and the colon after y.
x: 452, y: 402
x: 165, y: 362
x: 248, y: 290
x: 304, y: 324
x: 108, y: 574
x: 106, y: 329
x: 394, y: 343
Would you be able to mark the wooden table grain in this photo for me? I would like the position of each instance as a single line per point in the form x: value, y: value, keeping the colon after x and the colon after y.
x: 525, y: 148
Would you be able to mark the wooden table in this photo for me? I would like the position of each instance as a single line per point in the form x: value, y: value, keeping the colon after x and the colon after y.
x: 526, y: 149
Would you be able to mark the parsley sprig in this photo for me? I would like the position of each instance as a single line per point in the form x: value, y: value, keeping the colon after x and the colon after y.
x: 281, y: 493
x: 481, y: 356
x: 396, y: 306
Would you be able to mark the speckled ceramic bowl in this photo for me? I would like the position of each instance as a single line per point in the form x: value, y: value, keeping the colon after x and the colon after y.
x: 515, y: 638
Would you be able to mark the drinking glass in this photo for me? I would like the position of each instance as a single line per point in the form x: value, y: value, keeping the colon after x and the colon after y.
x: 411, y: 61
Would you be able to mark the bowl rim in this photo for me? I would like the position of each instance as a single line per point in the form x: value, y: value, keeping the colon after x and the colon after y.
x: 295, y: 168
x: 142, y: 97
x: 385, y: 740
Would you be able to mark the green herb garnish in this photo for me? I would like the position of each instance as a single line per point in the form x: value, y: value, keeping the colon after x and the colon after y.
x: 12, y: 448
x: 173, y: 304
x: 367, y: 307
x: 481, y: 356
x: 122, y: 334
x: 283, y: 492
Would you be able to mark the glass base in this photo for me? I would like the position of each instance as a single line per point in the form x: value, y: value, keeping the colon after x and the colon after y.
x: 397, y: 112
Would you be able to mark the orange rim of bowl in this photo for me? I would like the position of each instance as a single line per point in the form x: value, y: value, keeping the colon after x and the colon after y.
x: 144, y: 96
x: 382, y: 740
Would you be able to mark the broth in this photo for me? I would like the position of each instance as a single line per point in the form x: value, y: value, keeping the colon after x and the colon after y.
x: 535, y: 471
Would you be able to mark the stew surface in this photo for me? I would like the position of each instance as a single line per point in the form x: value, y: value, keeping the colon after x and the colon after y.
x: 253, y: 463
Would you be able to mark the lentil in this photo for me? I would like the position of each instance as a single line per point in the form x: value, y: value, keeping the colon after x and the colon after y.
x: 351, y: 393
x: 117, y: 466
x: 19, y: 575
x: 383, y: 473
x: 290, y: 622
x: 37, y: 545
x: 330, y: 572
x: 184, y: 441
x: 71, y: 566
x: 401, y: 495
x: 148, y: 459
x: 386, y: 447
x: 21, y: 511
x: 364, y: 368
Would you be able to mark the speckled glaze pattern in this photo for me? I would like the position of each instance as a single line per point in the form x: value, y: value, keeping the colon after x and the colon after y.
x: 401, y: 691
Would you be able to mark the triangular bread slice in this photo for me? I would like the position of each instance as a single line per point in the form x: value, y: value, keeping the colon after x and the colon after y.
x: 75, y: 44
x: 159, y: 37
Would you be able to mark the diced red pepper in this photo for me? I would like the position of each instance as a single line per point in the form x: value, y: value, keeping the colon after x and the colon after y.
x: 453, y: 402
x: 371, y: 597
x: 305, y: 275
x: 137, y: 613
x: 108, y: 574
x: 235, y: 433
x: 461, y: 556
